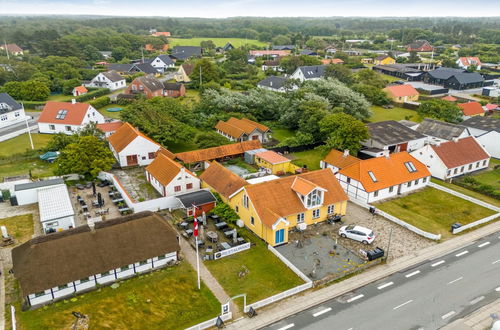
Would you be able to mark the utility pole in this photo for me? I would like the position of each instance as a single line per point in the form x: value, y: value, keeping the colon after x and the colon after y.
x: 28, y: 130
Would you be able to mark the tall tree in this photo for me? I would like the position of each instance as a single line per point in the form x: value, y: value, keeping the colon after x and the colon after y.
x: 343, y: 131
x: 440, y: 109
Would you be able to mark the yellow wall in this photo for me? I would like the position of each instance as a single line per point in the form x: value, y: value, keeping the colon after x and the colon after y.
x: 386, y: 61
x: 267, y: 233
x: 287, y: 167
x: 403, y: 99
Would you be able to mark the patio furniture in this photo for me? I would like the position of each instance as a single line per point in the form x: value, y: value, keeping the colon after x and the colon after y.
x: 215, y: 217
x: 189, y: 232
x: 212, y: 236
x: 85, y: 208
x: 229, y: 233
x: 221, y: 225
x: 200, y: 243
x: 240, y: 240
x: 116, y: 201
x: 225, y: 245
x: 88, y: 185
x: 95, y: 204
x: 80, y: 186
x: 184, y: 225
x: 209, y: 251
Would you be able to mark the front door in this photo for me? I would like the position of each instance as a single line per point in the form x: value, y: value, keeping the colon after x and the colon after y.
x: 279, y: 236
x: 131, y: 160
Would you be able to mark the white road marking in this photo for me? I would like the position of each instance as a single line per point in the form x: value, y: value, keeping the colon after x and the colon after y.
x: 385, y: 285
x: 326, y: 310
x: 287, y: 326
x: 447, y: 315
x: 455, y: 280
x: 359, y: 296
x: 476, y: 300
x: 461, y: 253
x: 495, y: 262
x: 484, y: 244
x: 412, y: 274
x: 497, y: 289
x: 349, y: 329
x: 405, y: 303
x: 437, y: 263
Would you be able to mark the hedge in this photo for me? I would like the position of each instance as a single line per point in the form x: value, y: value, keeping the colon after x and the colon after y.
x: 33, y: 105
x: 100, y: 102
x: 471, y: 183
x: 91, y: 94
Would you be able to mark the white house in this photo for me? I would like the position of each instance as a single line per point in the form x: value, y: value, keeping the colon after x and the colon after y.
x: 109, y: 79
x: 131, y: 147
x: 337, y: 160
x: 60, y: 265
x: 162, y: 63
x: 393, y: 136
x: 244, y: 129
x: 466, y: 61
x: 170, y: 178
x: 27, y: 193
x: 276, y: 84
x: 310, y: 72
x: 487, y: 133
x: 378, y: 178
x: 11, y: 112
x: 67, y: 117
x: 56, y: 209
x: 453, y: 158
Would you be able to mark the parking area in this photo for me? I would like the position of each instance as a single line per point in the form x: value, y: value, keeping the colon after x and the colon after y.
x: 137, y: 185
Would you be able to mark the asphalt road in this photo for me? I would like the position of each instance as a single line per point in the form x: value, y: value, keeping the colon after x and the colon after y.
x: 427, y: 296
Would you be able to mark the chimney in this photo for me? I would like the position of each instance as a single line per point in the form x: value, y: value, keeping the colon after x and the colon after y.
x: 346, y: 153
x: 91, y: 225
x: 73, y: 101
x: 271, y: 83
x: 455, y: 139
x: 386, y: 152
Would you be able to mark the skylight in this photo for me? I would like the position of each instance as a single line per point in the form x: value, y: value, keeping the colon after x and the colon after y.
x: 410, y: 167
x: 370, y: 173
x: 61, y: 114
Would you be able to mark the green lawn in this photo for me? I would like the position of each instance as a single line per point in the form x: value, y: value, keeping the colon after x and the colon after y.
x: 165, y: 299
x: 468, y: 192
x: 311, y: 158
x: 491, y: 177
x: 21, y: 143
x: 192, y: 96
x: 60, y: 97
x: 182, y: 147
x: 396, y: 113
x: 219, y: 42
x: 389, y: 78
x: 20, y: 227
x: 434, y: 210
x: 281, y: 134
x: 114, y: 115
x: 266, y: 275
x: 23, y: 166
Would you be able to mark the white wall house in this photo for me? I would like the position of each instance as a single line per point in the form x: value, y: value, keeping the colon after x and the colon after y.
x: 242, y: 130
x: 162, y: 63
x: 170, y: 178
x: 109, y: 79
x: 56, y: 209
x: 27, y: 193
x: 67, y: 117
x: 11, y: 112
x: 132, y: 148
x: 393, y: 136
x: 379, y: 178
x: 311, y: 72
x: 119, y: 249
x: 486, y: 130
x: 450, y: 159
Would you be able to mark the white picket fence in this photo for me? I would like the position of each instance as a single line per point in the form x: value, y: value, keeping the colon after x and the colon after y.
x: 211, y: 323
x: 279, y: 296
x: 435, y: 237
x: 289, y: 264
x: 476, y: 223
x: 468, y: 198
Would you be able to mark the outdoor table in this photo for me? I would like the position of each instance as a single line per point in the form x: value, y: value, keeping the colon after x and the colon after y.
x: 221, y: 225
x: 215, y: 217
x: 200, y: 243
x: 184, y: 225
x: 85, y: 207
x: 117, y: 200
x: 229, y: 233
x: 240, y: 240
x: 95, y: 203
x: 225, y: 245
x: 189, y: 232
x: 212, y: 236
x: 209, y: 251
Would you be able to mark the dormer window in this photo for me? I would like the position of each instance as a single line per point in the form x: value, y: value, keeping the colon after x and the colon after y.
x: 314, y: 198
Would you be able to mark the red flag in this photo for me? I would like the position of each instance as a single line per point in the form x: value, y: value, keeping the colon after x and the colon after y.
x: 195, y: 230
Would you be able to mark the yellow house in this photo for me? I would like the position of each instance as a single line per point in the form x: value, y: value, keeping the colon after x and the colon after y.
x: 182, y: 75
x: 274, y: 163
x: 402, y: 93
x: 221, y: 180
x: 270, y: 209
x: 384, y: 60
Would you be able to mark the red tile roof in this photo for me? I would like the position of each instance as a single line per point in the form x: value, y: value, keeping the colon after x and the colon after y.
x: 165, y: 34
x: 110, y: 127
x: 462, y: 152
x: 449, y: 98
x: 74, y: 115
x: 388, y: 172
x: 338, y: 159
x: 227, y: 150
x: 165, y: 169
x: 270, y: 52
x: 471, y: 108
x: 124, y: 136
x: 401, y: 90
x: 470, y: 60
x: 81, y: 89
x: 222, y: 180
x: 491, y: 106
x: 272, y: 157
x: 235, y: 127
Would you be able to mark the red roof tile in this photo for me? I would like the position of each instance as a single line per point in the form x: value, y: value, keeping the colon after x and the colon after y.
x: 401, y: 90
x: 462, y: 152
x: 110, y: 127
x: 471, y: 108
x: 74, y: 115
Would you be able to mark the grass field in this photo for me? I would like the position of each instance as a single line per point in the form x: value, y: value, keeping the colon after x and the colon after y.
x: 491, y: 177
x: 182, y: 147
x: 20, y: 227
x: 311, y: 158
x: 381, y: 114
x: 38, y: 168
x: 105, y: 113
x: 266, y: 276
x: 192, y: 96
x: 219, y: 42
x: 60, y: 97
x: 21, y: 143
x: 281, y: 134
x: 468, y: 192
x: 165, y: 299
x: 434, y: 210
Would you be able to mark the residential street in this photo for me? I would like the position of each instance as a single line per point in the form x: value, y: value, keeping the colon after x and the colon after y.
x: 21, y: 126
x: 427, y: 296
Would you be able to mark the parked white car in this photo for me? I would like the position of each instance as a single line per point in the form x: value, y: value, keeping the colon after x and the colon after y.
x: 357, y: 233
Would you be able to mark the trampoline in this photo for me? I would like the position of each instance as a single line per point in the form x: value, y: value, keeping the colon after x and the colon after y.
x: 114, y: 109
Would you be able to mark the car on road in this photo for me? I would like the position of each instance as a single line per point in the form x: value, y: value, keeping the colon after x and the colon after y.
x: 357, y: 233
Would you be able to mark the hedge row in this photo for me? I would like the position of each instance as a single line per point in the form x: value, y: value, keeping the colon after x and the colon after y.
x: 91, y: 94
x: 471, y: 183
x: 100, y: 102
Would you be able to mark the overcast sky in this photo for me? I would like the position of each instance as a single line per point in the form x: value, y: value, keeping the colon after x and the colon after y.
x: 271, y: 8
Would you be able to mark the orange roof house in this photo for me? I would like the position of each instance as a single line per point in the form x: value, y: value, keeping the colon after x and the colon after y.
x: 161, y: 34
x: 131, y: 147
x: 222, y: 180
x: 67, y: 117
x: 402, y: 93
x: 466, y: 61
x: 12, y: 49
x: 382, y: 177
x: 449, y: 98
x: 332, y: 61
x: 270, y: 209
x: 169, y: 177
x: 79, y: 90
x: 471, y: 109
x: 273, y: 53
x: 110, y: 128
x: 216, y: 153
x: 274, y: 163
x: 242, y: 129
x: 151, y: 48
x: 337, y: 160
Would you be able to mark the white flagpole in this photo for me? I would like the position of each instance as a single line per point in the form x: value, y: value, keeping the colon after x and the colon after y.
x: 197, y: 262
x: 29, y: 132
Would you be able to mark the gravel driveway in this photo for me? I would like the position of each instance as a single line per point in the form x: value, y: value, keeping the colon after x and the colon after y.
x: 403, y: 242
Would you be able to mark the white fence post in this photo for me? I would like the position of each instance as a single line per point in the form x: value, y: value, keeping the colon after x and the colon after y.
x: 13, y: 317
x: 476, y: 223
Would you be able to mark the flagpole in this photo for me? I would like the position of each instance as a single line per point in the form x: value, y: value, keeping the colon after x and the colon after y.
x: 197, y: 262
